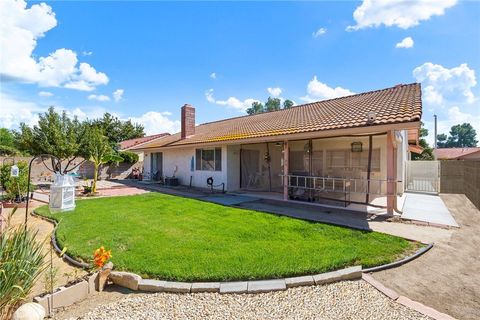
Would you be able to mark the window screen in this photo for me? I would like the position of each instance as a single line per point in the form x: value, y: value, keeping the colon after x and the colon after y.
x: 208, y: 159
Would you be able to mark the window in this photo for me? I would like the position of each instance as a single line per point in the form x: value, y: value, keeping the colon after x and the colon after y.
x: 208, y: 159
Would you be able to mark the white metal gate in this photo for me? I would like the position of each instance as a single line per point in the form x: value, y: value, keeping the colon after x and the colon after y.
x: 423, y: 176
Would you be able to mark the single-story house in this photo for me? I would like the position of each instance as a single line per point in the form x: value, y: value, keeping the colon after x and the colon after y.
x: 351, y: 149
x: 128, y: 145
x: 457, y: 153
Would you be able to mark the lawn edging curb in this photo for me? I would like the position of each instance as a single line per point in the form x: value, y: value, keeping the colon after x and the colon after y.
x: 398, y: 263
x: 56, y: 247
x: 415, y: 305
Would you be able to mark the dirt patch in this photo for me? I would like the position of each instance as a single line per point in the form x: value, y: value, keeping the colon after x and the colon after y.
x: 447, y: 277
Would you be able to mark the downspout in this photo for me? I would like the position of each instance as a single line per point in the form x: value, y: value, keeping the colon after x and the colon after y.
x: 369, y: 167
x: 398, y: 139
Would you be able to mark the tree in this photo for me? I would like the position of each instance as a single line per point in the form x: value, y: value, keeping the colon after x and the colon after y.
x: 287, y: 104
x: 427, y: 153
x: 441, y: 140
x: 272, y: 104
x: 98, y: 150
x: 257, y: 107
x: 117, y: 130
x: 55, y: 134
x: 461, y: 136
x: 7, y: 138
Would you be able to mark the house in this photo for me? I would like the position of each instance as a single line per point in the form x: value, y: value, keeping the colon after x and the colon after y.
x: 128, y: 145
x: 351, y: 149
x: 457, y: 153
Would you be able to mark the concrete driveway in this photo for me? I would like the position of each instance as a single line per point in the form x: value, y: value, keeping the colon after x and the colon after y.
x: 447, y: 277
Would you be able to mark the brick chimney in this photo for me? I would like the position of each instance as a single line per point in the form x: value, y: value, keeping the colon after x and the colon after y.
x: 188, y: 121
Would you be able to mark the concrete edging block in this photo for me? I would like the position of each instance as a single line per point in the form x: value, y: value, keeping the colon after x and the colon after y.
x: 423, y: 309
x: 351, y: 273
x: 151, y: 285
x: 266, y: 286
x: 177, y: 287
x: 64, y: 297
x: 392, y: 294
x: 299, y: 281
x: 205, y: 287
x: 234, y: 287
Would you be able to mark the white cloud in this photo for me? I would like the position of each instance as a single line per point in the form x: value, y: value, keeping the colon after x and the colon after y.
x: 231, y: 102
x: 275, y: 92
x: 45, y: 94
x: 320, y: 32
x: 118, y: 95
x: 22, y: 27
x: 100, y: 97
x: 13, y: 111
x: 400, y: 13
x: 405, y: 43
x: 213, y: 75
x: 157, y: 122
x: 317, y: 90
x: 440, y: 83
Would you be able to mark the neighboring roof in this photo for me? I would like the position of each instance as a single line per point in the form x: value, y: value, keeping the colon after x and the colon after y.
x: 399, y: 104
x: 455, y: 153
x: 128, y: 144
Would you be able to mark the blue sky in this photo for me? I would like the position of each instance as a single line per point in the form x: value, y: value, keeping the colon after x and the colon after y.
x: 157, y: 56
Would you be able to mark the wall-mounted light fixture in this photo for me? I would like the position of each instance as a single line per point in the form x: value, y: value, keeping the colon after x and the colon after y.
x: 356, y: 146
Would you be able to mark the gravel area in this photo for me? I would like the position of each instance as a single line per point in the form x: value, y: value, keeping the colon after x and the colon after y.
x: 342, y: 300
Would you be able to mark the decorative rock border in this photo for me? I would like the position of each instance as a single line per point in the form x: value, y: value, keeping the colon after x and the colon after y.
x: 417, y: 306
x: 134, y: 282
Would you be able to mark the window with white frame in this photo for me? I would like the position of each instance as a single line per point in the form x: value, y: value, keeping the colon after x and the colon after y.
x: 208, y: 159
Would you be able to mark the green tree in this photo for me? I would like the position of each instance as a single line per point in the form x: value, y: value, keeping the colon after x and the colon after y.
x: 98, y: 150
x: 441, y: 140
x: 272, y: 104
x: 55, y: 134
x: 15, y: 187
x: 257, y: 107
x: 287, y: 104
x: 462, y: 136
x: 427, y: 153
x: 117, y: 130
x: 7, y: 138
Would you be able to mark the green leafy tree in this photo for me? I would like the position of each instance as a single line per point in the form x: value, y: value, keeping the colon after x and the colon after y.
x: 272, y: 104
x: 99, y: 151
x: 55, y: 134
x: 7, y: 138
x: 15, y: 187
x: 257, y: 107
x: 462, y: 136
x: 427, y: 153
x: 287, y: 104
x: 441, y: 140
x: 117, y: 130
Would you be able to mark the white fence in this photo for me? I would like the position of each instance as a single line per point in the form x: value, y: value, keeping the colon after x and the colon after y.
x: 423, y: 176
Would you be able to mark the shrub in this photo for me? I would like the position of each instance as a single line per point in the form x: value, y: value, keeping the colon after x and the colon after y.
x: 21, y: 263
x: 128, y: 156
x: 8, y: 151
x: 15, y: 187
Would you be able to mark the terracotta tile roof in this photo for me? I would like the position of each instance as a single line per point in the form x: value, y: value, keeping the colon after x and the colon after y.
x: 454, y: 153
x: 127, y: 144
x: 398, y: 104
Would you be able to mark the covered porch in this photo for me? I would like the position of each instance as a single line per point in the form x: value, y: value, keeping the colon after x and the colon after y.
x: 358, y: 172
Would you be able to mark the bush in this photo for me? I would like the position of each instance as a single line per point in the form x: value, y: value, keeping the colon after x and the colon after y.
x: 128, y: 156
x: 15, y: 187
x: 8, y: 151
x: 21, y: 263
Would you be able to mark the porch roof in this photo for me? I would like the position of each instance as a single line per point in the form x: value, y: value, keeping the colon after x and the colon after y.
x: 395, y: 105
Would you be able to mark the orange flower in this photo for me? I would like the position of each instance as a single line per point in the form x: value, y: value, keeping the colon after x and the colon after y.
x: 101, y: 256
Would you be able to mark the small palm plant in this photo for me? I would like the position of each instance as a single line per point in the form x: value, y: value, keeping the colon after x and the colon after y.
x: 21, y: 263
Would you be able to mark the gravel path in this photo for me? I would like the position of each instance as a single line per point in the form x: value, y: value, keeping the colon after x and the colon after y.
x: 342, y: 300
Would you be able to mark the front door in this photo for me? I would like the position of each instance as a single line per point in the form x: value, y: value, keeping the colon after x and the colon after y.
x: 157, y: 165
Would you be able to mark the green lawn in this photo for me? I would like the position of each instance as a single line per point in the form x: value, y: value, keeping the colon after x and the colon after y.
x: 174, y: 238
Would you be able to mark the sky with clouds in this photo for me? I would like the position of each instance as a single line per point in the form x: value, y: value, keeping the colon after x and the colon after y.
x: 144, y: 60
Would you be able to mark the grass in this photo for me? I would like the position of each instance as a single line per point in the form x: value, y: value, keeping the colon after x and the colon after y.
x: 174, y: 238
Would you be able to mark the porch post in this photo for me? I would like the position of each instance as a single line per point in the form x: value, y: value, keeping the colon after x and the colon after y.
x: 285, y: 170
x: 390, y: 173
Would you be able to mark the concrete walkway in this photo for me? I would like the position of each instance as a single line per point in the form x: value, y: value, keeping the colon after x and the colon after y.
x: 446, y: 277
x: 427, y: 208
